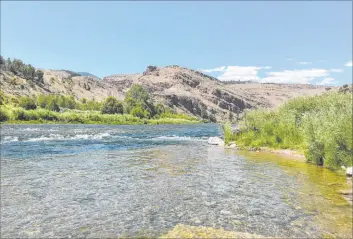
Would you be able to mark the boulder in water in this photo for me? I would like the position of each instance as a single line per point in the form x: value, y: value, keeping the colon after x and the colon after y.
x: 349, y: 171
x: 215, y: 141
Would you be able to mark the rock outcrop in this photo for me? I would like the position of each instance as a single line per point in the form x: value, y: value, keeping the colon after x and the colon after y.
x: 185, y: 90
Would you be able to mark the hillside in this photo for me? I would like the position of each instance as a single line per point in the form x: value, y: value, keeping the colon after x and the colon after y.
x: 185, y: 90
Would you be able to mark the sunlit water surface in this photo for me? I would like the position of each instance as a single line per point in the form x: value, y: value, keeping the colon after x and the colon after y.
x: 113, y: 181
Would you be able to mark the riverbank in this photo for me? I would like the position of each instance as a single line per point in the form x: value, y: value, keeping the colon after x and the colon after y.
x: 138, y: 122
x: 18, y: 115
x: 137, y: 108
x: 319, y: 127
x: 288, y: 152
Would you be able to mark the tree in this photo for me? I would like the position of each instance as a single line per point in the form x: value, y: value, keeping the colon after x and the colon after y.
x: 70, y: 102
x: 53, y: 105
x: 112, y: 106
x: 2, y: 98
x: 138, y: 111
x: 2, y: 61
x: 27, y: 103
x: 28, y: 72
x: 137, y: 95
x: 38, y: 76
x: 160, y: 109
x: 42, y: 101
x: 16, y: 66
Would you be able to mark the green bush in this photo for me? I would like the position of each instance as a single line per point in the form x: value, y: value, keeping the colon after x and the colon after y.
x: 2, y: 98
x: 137, y: 95
x: 27, y: 103
x: 112, y: 106
x: 139, y: 112
x: 319, y: 125
x: 4, y: 115
x: 52, y: 105
x: 228, y: 133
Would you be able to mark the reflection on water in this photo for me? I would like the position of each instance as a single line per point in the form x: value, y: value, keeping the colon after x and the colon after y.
x: 145, y: 180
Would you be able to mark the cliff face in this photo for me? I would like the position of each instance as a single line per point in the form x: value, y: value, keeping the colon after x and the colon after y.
x: 187, y: 91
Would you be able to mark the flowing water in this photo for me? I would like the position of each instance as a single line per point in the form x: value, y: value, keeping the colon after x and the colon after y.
x: 143, y: 180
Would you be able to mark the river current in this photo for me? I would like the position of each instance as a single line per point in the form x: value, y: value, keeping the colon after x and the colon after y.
x: 143, y: 180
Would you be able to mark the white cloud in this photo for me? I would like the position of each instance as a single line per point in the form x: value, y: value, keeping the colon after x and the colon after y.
x: 241, y: 73
x: 289, y: 59
x: 250, y: 73
x: 326, y: 81
x: 337, y: 70
x: 219, y: 69
x: 295, y: 76
x: 304, y: 62
x: 349, y: 63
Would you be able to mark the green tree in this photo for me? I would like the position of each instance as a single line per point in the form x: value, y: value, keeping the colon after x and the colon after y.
x: 138, y: 111
x: 70, y: 102
x: 2, y: 61
x: 27, y: 103
x: 42, y: 101
x: 2, y: 98
x: 112, y: 106
x: 16, y: 66
x: 160, y: 109
x: 137, y: 95
x: 53, y: 105
x: 3, y: 115
x: 38, y: 76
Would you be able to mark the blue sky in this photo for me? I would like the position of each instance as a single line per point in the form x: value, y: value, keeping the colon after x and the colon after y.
x: 289, y: 42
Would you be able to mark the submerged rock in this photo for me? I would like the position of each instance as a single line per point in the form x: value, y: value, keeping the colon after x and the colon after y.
x: 349, y: 171
x: 215, y: 141
x: 185, y: 231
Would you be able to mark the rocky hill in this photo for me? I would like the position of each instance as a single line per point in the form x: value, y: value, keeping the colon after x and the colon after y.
x: 187, y: 91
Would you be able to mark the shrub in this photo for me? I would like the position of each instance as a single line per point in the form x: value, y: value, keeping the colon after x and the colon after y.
x: 319, y: 125
x: 27, y: 103
x: 2, y: 98
x: 112, y: 106
x: 137, y: 95
x: 228, y: 133
x: 137, y: 111
x: 4, y: 115
x: 52, y: 105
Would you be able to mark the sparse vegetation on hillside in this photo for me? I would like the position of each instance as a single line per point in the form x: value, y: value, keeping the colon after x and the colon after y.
x: 18, y: 68
x: 321, y: 126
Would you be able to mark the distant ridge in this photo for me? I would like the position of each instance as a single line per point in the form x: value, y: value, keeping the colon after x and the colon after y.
x: 184, y: 90
x: 87, y: 74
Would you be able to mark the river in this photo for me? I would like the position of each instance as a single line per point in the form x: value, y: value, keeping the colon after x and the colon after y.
x: 143, y: 180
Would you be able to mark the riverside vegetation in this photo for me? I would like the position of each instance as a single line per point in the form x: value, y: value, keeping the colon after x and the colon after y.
x: 319, y: 126
x: 137, y: 108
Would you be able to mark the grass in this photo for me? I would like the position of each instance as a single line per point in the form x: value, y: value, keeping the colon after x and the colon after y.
x: 321, y: 126
x: 17, y: 115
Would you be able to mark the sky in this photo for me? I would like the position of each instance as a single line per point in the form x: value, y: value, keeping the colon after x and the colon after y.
x: 282, y: 42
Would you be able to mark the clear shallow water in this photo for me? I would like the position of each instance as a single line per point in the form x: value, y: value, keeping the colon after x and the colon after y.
x: 111, y: 181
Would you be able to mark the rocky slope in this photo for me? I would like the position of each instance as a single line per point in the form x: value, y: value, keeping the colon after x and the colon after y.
x: 187, y: 91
